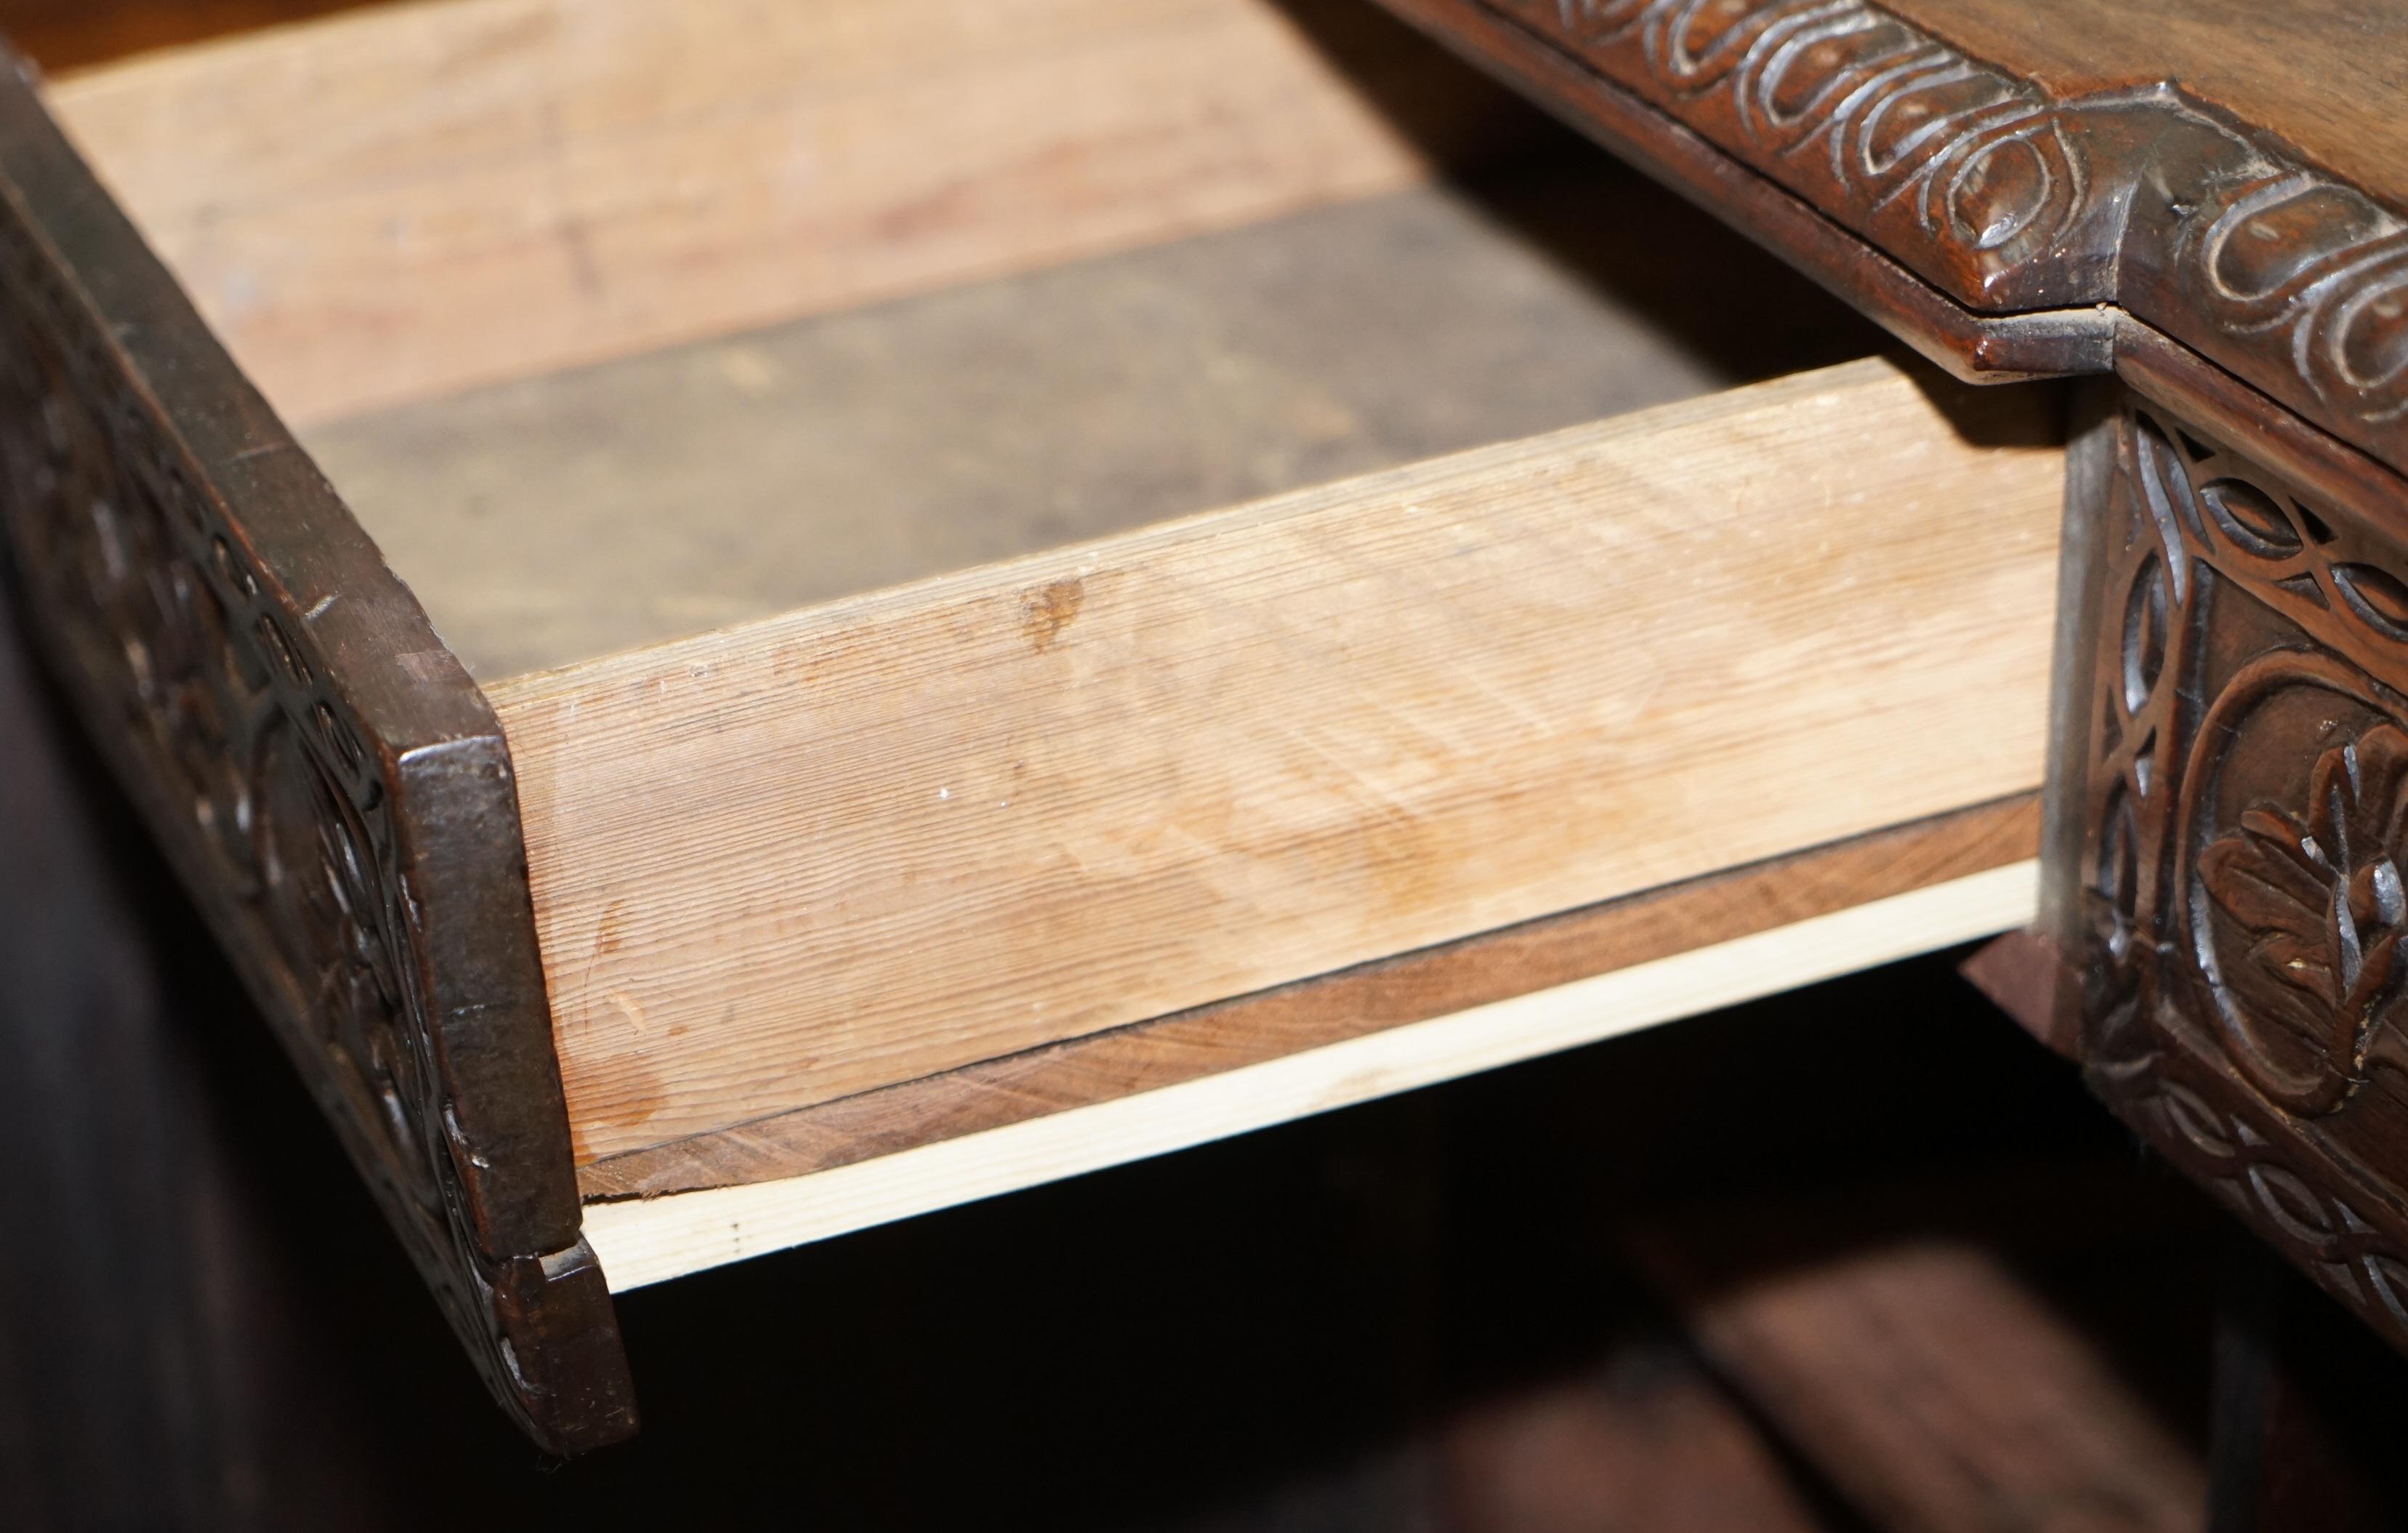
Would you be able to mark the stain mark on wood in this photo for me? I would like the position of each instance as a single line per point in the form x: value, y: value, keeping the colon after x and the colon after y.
x: 1049, y: 609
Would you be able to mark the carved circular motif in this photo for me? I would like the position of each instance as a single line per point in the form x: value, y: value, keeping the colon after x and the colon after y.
x: 2295, y: 897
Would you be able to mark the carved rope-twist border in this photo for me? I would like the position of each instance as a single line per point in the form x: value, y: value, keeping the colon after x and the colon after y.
x: 2320, y: 1229
x: 1864, y: 115
x: 2022, y: 200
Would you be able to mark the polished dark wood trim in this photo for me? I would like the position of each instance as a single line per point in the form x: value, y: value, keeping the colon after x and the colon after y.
x: 2024, y: 976
x: 2243, y: 699
x: 1977, y: 347
x: 332, y: 788
x: 1996, y: 234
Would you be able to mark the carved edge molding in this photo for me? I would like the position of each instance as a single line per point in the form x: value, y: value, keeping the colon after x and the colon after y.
x: 2009, y: 201
x: 2304, y: 1206
x: 331, y: 787
x: 2236, y: 899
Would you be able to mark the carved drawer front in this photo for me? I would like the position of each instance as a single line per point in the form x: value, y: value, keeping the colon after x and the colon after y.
x: 333, y: 789
x: 2242, y: 783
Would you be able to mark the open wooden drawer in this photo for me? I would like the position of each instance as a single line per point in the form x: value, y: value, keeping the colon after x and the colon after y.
x: 1004, y: 589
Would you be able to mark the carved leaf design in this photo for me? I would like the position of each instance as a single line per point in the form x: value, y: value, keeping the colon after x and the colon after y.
x: 2322, y: 900
x: 2239, y: 1014
x: 2272, y: 877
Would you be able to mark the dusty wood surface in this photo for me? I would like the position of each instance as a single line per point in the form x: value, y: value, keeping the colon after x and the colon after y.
x: 400, y: 202
x: 1412, y: 987
x: 557, y: 518
x: 867, y: 843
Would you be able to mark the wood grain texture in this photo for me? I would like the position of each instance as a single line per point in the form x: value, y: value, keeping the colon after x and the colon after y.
x: 864, y: 843
x: 1987, y: 348
x: 401, y: 202
x: 1329, y: 1008
x: 2323, y: 75
x: 1924, y: 1373
x: 556, y: 518
x: 647, y: 1241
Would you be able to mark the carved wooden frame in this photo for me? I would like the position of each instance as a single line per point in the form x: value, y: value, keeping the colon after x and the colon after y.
x: 2233, y: 689
x: 333, y: 791
x: 2239, y: 772
x: 1992, y: 225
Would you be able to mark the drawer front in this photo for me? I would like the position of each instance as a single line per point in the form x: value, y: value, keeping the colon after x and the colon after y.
x: 333, y: 790
x: 2234, y: 765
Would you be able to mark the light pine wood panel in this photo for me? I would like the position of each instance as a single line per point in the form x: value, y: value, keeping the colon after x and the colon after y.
x: 1332, y: 1008
x: 648, y: 1241
x: 864, y: 843
x: 556, y: 518
x: 400, y: 202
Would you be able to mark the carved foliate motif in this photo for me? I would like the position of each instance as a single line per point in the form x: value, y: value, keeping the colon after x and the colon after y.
x: 285, y: 816
x: 2246, y: 814
x: 2316, y: 906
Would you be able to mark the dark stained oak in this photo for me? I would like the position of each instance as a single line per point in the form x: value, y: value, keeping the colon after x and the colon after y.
x: 2234, y: 749
x: 2307, y: 1423
x: 331, y: 789
x: 2326, y: 77
x: 2009, y: 194
x: 313, y: 757
x: 2205, y: 197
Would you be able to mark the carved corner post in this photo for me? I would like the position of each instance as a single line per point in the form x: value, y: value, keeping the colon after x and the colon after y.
x: 2230, y: 811
x: 333, y: 791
